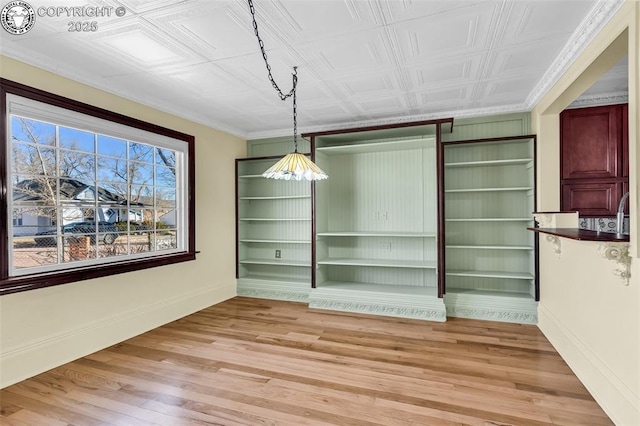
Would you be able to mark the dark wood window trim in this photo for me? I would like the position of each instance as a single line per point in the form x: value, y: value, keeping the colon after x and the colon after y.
x: 29, y: 282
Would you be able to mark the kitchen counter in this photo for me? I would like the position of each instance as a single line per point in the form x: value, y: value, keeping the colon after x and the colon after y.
x: 582, y: 234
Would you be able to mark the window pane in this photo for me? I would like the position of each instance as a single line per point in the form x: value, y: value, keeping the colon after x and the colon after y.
x: 112, y: 147
x: 140, y: 173
x: 78, y: 247
x: 76, y: 139
x: 165, y: 198
x: 33, y: 131
x: 165, y: 176
x: 75, y: 191
x: 34, y: 220
x: 140, y: 152
x: 118, y: 192
x: 112, y: 169
x: 142, y: 242
x: 27, y: 253
x: 34, y: 190
x: 119, y: 246
x: 141, y: 196
x: 166, y: 240
x: 33, y: 159
x: 166, y: 218
x: 165, y: 157
x: 77, y: 165
x: 73, y: 215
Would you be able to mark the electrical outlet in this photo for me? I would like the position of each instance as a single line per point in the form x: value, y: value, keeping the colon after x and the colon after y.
x: 278, y: 254
x: 386, y: 246
x: 376, y: 215
x: 383, y: 216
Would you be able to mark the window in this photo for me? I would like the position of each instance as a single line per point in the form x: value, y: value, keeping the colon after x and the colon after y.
x: 89, y: 192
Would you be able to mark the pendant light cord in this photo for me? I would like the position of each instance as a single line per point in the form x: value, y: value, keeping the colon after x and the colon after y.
x: 283, y: 97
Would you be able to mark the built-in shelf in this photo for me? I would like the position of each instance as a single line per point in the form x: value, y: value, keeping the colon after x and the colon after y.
x: 397, y: 145
x: 491, y: 274
x: 490, y: 247
x: 378, y: 234
x: 279, y: 197
x: 274, y: 219
x: 492, y: 219
x: 492, y: 183
x: 519, y: 188
x: 280, y: 262
x: 485, y: 163
x: 385, y: 263
x: 274, y: 241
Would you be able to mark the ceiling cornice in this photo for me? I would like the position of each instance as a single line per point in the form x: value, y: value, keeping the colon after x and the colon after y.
x: 601, y: 12
x: 470, y: 113
x: 600, y: 99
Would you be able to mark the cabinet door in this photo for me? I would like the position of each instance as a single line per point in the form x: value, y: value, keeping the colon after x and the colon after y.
x: 591, y: 198
x: 591, y: 142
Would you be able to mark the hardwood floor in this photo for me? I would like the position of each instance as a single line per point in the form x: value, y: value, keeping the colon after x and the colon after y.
x: 262, y: 362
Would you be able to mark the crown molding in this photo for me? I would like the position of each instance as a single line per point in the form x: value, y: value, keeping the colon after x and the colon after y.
x: 600, y: 99
x: 384, y: 121
x: 599, y: 15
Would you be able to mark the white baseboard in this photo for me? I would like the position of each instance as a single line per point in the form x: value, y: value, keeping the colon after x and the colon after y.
x: 37, y: 357
x: 620, y: 403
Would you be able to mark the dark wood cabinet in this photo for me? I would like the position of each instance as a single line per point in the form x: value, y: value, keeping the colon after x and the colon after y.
x: 594, y: 159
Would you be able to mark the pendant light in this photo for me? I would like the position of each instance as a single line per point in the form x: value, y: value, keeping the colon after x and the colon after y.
x: 293, y: 166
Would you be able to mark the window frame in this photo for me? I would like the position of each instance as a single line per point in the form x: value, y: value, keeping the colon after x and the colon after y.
x: 13, y: 284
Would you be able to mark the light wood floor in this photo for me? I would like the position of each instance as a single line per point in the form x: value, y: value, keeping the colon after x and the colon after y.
x: 260, y: 362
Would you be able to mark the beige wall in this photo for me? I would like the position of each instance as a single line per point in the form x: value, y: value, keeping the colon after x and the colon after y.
x: 44, y: 328
x: 586, y: 311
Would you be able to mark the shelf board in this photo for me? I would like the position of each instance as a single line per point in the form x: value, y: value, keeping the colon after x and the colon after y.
x: 488, y: 293
x: 493, y: 219
x: 273, y: 219
x: 249, y: 176
x: 496, y: 247
x: 484, y: 163
x: 378, y: 234
x: 279, y: 262
x: 281, y: 278
x: 491, y: 274
x: 376, y: 146
x: 383, y: 263
x: 518, y: 188
x: 275, y: 241
x: 379, y: 288
x: 278, y: 197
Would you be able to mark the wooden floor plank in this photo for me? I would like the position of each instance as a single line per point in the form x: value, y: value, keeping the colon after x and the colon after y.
x: 262, y: 362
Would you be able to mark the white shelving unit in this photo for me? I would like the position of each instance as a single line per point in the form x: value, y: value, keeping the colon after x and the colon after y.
x: 273, y: 233
x: 490, y: 255
x: 376, y: 228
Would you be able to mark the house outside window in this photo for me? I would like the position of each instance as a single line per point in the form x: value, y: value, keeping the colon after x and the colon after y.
x: 85, y: 192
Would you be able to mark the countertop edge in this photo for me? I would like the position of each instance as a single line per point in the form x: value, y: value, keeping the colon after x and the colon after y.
x: 582, y: 234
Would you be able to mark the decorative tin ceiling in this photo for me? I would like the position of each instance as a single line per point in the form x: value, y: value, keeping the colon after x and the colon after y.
x: 360, y: 62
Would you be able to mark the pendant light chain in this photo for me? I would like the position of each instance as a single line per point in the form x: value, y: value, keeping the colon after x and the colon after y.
x: 292, y: 92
